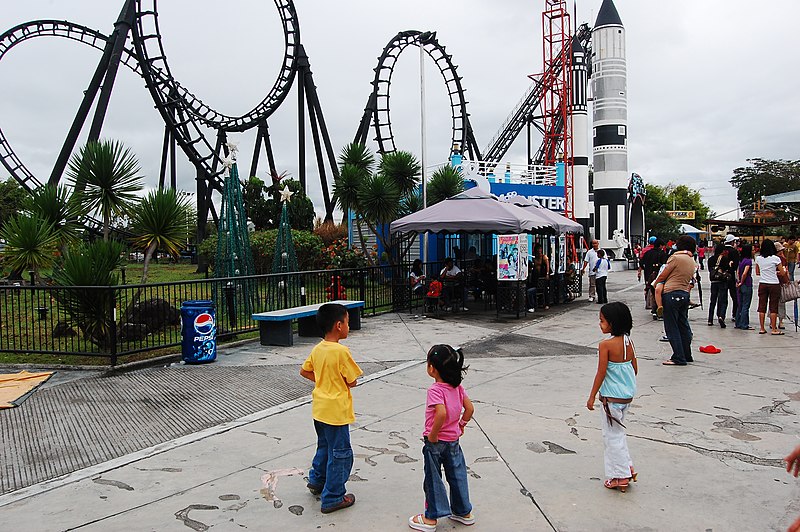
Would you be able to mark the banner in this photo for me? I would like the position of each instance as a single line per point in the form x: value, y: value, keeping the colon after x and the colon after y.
x: 681, y: 215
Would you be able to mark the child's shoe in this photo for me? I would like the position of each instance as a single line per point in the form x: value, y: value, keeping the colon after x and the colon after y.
x: 417, y: 522
x: 346, y: 502
x: 314, y: 489
x: 468, y: 519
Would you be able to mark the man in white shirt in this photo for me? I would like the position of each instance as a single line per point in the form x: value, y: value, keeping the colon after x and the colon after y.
x: 589, y: 260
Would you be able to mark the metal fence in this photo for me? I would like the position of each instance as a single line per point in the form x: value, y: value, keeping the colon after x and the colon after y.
x: 120, y: 321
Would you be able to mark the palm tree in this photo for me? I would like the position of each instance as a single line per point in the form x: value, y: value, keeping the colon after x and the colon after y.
x: 106, y: 178
x: 356, y: 164
x: 159, y: 222
x: 402, y: 168
x: 92, y: 308
x: 31, y: 243
x: 55, y: 206
x: 445, y: 182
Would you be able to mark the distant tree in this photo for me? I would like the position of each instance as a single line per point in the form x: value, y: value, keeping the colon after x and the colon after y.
x: 444, y: 183
x: 657, y: 221
x: 63, y: 211
x: 263, y: 206
x: 12, y: 198
x: 763, y: 177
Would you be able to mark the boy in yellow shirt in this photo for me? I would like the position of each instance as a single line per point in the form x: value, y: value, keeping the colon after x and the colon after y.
x: 332, y: 369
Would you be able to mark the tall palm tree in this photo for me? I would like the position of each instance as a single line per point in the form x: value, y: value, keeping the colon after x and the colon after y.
x: 159, y: 222
x: 106, y: 177
x: 402, y: 168
x: 31, y: 243
x: 356, y: 164
x: 57, y: 207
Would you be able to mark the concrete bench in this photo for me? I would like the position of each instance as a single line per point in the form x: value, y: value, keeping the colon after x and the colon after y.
x: 275, y: 327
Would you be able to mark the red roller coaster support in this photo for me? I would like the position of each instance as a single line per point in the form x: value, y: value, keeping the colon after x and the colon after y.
x: 557, y: 65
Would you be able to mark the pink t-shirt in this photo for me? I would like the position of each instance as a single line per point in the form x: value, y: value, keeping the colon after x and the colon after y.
x: 442, y: 393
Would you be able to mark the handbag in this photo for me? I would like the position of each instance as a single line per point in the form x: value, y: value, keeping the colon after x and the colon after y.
x: 790, y: 291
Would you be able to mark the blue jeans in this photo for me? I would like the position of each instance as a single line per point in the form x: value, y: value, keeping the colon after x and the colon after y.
x: 719, y: 297
x: 792, y: 266
x: 530, y: 296
x: 743, y: 313
x: 332, y: 462
x: 676, y: 325
x: 445, y: 454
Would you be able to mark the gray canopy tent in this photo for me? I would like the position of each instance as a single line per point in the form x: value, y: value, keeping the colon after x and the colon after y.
x: 474, y: 211
x: 561, y: 224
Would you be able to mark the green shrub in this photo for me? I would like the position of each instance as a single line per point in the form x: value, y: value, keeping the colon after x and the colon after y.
x: 308, y: 248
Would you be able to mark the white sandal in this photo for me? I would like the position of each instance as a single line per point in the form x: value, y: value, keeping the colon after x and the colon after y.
x: 468, y: 519
x: 417, y: 523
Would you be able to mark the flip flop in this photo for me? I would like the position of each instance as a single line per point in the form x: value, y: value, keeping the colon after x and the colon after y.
x: 762, y: 332
x: 671, y: 363
x: 468, y: 519
x: 779, y: 333
x: 620, y: 484
x: 416, y: 522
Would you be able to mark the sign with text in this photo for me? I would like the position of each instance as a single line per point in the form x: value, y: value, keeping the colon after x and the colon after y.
x: 681, y: 215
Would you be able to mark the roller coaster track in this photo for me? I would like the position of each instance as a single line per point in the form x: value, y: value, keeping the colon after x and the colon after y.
x: 524, y: 110
x: 377, y: 110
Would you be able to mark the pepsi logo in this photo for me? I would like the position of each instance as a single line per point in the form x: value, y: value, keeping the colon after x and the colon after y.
x: 204, y: 323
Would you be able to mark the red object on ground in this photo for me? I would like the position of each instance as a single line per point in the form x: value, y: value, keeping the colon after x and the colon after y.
x: 710, y: 349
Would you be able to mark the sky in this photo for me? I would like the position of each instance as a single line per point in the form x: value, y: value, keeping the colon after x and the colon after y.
x: 710, y: 82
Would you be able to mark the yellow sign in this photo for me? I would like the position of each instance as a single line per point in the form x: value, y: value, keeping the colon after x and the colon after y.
x: 681, y: 215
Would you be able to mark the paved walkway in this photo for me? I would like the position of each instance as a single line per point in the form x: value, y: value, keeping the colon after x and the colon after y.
x: 707, y: 438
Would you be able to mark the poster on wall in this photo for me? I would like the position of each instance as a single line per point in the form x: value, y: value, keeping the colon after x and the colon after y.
x: 553, y: 259
x: 512, y: 257
x: 562, y: 254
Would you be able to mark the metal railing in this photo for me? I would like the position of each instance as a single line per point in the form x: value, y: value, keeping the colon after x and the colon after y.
x: 120, y: 321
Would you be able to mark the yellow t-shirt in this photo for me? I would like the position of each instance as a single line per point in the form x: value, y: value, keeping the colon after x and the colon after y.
x: 332, y: 365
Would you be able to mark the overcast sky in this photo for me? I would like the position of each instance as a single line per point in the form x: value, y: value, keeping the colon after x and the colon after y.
x: 710, y: 82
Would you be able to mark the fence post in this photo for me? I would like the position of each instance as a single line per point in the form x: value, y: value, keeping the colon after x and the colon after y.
x: 362, y: 285
x: 113, y: 328
x: 303, y: 290
x: 230, y: 301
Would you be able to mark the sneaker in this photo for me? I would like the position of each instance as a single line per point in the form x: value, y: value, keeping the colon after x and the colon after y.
x: 464, y: 309
x: 664, y: 338
x: 531, y: 310
x: 314, y: 489
x: 591, y: 299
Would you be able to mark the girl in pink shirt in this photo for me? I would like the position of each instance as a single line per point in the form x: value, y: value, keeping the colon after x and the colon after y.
x: 447, y: 411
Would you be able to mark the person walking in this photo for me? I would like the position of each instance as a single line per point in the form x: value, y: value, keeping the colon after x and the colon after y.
x: 589, y: 260
x: 720, y: 270
x: 650, y: 265
x: 731, y: 244
x: 701, y: 255
x: 615, y: 380
x: 331, y: 368
x: 768, y: 264
x: 448, y: 409
x: 744, y: 288
x: 601, y: 269
x: 677, y: 279
x: 792, y: 250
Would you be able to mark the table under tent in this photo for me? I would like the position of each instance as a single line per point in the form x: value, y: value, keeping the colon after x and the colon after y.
x: 477, y: 212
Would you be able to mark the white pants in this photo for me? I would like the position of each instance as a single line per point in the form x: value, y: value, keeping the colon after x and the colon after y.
x: 617, y: 459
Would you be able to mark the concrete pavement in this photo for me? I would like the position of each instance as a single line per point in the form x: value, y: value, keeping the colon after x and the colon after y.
x: 707, y: 439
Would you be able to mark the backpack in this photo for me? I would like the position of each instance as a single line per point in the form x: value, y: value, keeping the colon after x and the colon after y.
x: 434, y: 289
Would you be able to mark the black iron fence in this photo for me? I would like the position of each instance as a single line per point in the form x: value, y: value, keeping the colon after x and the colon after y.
x: 119, y: 321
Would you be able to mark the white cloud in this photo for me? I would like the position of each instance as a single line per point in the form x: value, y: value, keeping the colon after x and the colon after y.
x: 710, y: 83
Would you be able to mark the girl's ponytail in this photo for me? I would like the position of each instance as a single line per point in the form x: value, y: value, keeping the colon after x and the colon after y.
x: 448, y: 362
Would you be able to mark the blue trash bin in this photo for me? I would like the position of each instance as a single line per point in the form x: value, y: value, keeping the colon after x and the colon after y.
x: 199, y: 331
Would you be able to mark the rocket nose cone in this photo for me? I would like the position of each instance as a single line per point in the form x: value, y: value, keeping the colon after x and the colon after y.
x: 608, y: 15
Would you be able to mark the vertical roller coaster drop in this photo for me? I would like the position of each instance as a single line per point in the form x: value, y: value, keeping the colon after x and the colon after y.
x: 136, y: 43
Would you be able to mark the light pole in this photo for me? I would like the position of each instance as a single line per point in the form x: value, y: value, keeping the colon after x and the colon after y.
x: 186, y: 194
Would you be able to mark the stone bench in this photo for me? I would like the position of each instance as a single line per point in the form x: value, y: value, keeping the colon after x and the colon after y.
x: 275, y: 327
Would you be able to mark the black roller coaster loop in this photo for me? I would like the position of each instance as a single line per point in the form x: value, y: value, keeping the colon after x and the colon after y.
x: 377, y: 111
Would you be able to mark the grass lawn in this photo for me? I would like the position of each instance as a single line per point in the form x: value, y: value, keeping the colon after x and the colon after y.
x: 163, y: 272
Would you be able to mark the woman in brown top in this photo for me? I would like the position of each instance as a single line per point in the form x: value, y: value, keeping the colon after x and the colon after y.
x: 677, y: 277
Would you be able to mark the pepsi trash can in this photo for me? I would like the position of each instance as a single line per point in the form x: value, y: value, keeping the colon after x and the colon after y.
x: 199, y: 331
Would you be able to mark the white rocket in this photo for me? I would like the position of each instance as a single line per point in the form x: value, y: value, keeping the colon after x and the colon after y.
x: 580, y: 132
x: 610, y: 131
